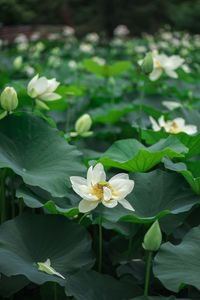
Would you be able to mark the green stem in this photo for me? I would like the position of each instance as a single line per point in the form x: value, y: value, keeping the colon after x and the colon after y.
x: 83, y: 217
x: 55, y: 291
x: 2, y: 196
x: 130, y: 244
x: 148, y: 273
x: 100, y: 246
x: 140, y: 112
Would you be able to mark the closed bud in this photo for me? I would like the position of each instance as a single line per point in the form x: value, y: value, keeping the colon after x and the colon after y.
x: 83, y: 124
x: 147, y: 64
x: 9, y: 100
x: 17, y: 63
x: 153, y: 238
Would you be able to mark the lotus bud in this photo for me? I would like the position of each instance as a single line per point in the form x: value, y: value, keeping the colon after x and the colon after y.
x: 17, y: 63
x: 147, y: 64
x: 83, y: 125
x: 153, y: 238
x: 9, y: 100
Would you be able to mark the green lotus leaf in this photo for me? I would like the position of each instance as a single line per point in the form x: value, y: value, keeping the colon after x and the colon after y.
x: 35, y: 197
x: 190, y: 170
x: 192, y: 142
x: 155, y: 195
x: 29, y: 239
x: 92, y: 285
x: 11, y: 285
x: 179, y: 265
x: 158, y: 298
x: 37, y: 153
x: 131, y: 155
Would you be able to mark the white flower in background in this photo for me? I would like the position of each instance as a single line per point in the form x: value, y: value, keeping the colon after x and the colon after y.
x: 72, y: 64
x: 171, y: 105
x: 175, y: 126
x: 47, y: 268
x: 55, y: 51
x: 29, y: 70
x: 54, y: 61
x: 140, y: 49
x: 167, y: 64
x: 53, y: 36
x: 86, y: 48
x: 95, y: 189
x: 117, y: 42
x: 22, y: 47
x: 167, y: 35
x: 68, y: 31
x: 121, y: 31
x: 21, y: 38
x: 39, y: 47
x: 35, y: 36
x: 17, y: 63
x: 163, y: 45
x: 43, y: 88
x: 92, y: 37
x: 99, y: 60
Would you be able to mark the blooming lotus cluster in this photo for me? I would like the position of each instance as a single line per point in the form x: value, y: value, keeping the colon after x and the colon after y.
x: 95, y: 189
x: 174, y: 126
x: 41, y: 88
x: 165, y: 64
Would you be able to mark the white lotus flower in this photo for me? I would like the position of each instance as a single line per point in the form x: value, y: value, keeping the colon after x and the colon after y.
x: 92, y: 37
x: 171, y: 105
x: 68, y: 31
x: 165, y: 64
x: 121, y: 31
x: 72, y: 64
x: 101, y: 61
x: 95, y: 189
x: 43, y: 88
x: 86, y: 48
x: 175, y: 126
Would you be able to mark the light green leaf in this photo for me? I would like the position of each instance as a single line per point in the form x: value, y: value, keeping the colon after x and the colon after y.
x: 92, y: 285
x: 178, y: 265
x: 192, y: 142
x: 36, y: 152
x: 190, y: 170
x: 29, y: 239
x: 156, y: 194
x: 131, y: 155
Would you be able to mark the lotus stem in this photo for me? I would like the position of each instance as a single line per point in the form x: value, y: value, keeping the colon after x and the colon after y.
x: 100, y: 246
x: 148, y: 273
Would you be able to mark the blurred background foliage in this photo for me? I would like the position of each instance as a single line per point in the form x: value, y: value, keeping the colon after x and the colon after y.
x: 104, y: 15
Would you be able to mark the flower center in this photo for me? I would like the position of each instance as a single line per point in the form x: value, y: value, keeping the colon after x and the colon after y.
x: 97, y: 189
x: 158, y: 64
x: 174, y: 128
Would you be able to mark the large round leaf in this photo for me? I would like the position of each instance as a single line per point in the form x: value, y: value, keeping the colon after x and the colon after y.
x: 158, y: 298
x: 35, y: 197
x: 192, y: 142
x: 11, y: 285
x: 176, y: 266
x: 190, y: 170
x: 37, y: 153
x: 131, y: 155
x: 92, y: 285
x: 29, y: 239
x: 155, y: 195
